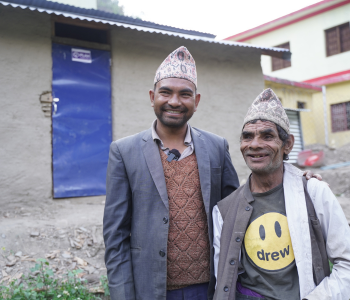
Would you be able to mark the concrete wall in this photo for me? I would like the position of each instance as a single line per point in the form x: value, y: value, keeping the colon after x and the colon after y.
x: 308, y: 46
x: 337, y: 93
x: 312, y: 122
x: 25, y: 133
x: 289, y: 97
x: 229, y: 79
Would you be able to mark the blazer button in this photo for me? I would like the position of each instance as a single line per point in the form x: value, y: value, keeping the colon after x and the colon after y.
x: 238, y: 239
x: 161, y: 253
x: 247, y: 208
x: 226, y: 289
x: 165, y: 220
x: 232, y: 262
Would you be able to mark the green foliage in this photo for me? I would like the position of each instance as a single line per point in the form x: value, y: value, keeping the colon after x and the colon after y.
x: 111, y: 6
x: 41, y: 284
x: 330, y: 265
x: 104, y: 283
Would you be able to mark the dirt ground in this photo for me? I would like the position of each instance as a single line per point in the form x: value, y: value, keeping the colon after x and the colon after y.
x: 69, y: 232
x: 66, y: 232
x: 333, y: 156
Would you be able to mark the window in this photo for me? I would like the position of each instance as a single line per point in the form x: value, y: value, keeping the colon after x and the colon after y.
x: 338, y: 39
x: 301, y: 104
x: 95, y: 35
x: 279, y: 63
x: 340, y: 114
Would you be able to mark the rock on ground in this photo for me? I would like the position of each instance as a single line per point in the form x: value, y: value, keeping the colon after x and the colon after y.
x: 68, y: 233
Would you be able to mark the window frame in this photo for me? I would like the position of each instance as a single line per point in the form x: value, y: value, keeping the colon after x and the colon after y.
x: 283, y: 62
x: 76, y: 42
x: 339, y: 41
x: 344, y: 123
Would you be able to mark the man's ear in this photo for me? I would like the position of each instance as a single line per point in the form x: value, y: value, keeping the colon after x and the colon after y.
x: 289, y: 144
x: 198, y: 98
x: 151, y: 97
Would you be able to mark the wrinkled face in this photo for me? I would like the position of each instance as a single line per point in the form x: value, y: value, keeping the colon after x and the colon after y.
x: 174, y: 101
x: 262, y: 148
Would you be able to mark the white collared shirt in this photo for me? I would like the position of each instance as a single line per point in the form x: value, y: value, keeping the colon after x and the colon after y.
x: 188, y: 141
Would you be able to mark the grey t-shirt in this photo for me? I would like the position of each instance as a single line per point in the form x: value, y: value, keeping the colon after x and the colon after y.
x: 267, y: 253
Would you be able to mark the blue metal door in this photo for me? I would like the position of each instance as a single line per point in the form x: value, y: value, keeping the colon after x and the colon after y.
x: 81, y: 120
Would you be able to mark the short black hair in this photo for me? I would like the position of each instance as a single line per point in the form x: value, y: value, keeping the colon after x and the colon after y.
x: 282, y: 134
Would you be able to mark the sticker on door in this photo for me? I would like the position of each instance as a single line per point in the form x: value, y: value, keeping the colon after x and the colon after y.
x: 81, y: 55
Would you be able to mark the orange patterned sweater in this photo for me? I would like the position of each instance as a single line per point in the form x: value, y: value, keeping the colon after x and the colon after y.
x: 188, y: 254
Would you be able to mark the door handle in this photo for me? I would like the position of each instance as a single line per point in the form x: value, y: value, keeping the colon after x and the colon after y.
x: 55, y: 100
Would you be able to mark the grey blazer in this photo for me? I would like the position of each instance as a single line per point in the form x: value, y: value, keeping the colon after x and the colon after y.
x: 135, y: 223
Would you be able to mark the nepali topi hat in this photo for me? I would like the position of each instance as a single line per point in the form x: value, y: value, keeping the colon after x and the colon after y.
x: 268, y: 107
x: 178, y: 64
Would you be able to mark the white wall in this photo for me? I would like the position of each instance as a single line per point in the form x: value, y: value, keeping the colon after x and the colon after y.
x: 308, y: 47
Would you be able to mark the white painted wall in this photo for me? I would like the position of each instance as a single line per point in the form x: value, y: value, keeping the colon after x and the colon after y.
x: 80, y: 3
x: 308, y: 46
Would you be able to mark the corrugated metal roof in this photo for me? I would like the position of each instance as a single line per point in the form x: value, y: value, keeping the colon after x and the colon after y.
x: 44, y: 4
x: 127, y: 22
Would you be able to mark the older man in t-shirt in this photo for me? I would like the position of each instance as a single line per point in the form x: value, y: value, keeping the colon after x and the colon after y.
x: 264, y: 236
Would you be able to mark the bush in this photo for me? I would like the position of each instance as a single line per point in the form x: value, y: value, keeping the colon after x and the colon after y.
x: 40, y: 284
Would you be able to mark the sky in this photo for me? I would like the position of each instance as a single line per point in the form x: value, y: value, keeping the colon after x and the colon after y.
x: 223, y: 18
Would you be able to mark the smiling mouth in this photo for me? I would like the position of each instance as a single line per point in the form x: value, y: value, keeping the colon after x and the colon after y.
x: 173, y: 112
x: 258, y: 156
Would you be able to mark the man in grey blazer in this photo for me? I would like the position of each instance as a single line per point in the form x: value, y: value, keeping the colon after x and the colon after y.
x: 162, y: 185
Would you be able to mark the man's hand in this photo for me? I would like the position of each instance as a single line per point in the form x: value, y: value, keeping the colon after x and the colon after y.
x: 308, y: 174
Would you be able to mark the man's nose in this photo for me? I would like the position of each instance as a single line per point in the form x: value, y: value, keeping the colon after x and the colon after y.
x: 174, y: 101
x: 255, y: 143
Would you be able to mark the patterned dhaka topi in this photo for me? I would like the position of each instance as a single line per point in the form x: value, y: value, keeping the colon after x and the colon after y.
x: 268, y: 107
x: 178, y: 64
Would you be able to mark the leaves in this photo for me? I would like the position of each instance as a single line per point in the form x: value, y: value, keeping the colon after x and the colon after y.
x: 41, y: 285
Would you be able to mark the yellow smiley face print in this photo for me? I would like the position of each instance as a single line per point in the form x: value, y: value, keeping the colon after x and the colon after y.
x: 267, y: 242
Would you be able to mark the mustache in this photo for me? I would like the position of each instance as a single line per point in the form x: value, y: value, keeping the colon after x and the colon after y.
x: 169, y: 107
x: 250, y: 152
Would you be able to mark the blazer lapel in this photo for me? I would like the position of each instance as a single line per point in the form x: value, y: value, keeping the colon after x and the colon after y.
x: 203, y: 162
x: 151, y: 152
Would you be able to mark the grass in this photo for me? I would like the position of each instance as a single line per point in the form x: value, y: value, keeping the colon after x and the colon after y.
x: 41, y: 284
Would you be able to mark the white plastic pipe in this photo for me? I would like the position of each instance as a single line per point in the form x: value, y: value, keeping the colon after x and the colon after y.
x: 325, y: 114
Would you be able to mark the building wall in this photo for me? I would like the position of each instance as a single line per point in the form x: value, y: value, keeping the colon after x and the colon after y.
x: 80, y: 3
x: 229, y: 79
x: 289, y: 97
x: 337, y: 93
x: 308, y: 47
x: 25, y: 133
x: 309, y: 60
x: 312, y: 122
